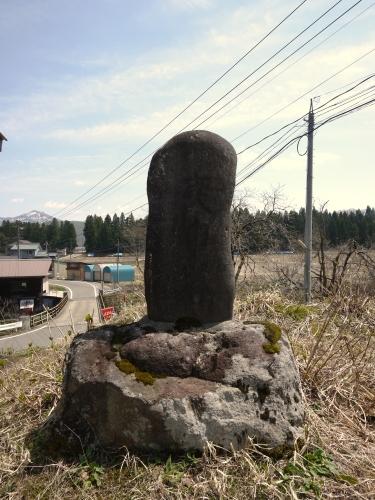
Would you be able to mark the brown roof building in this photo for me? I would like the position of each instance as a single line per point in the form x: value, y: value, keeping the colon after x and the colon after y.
x: 23, y: 278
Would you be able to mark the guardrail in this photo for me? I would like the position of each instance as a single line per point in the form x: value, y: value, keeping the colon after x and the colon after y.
x: 40, y: 318
x: 9, y: 320
x: 12, y: 324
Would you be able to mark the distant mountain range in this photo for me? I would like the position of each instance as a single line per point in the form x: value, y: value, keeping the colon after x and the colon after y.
x: 32, y: 216
x: 43, y: 217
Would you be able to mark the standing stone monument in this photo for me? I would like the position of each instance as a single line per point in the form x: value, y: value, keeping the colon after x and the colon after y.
x: 188, y: 265
x: 187, y: 373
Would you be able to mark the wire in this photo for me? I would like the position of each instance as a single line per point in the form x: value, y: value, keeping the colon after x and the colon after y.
x: 194, y: 101
x: 272, y: 115
x: 293, y: 64
x: 268, y: 150
x: 109, y: 187
x: 281, y: 62
x: 270, y: 135
x: 301, y: 154
x: 317, y: 126
x: 346, y: 91
x: 355, y: 97
x: 283, y: 148
x: 123, y: 177
x: 344, y: 113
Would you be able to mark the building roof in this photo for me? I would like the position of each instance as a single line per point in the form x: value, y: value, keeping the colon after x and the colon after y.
x: 99, y: 267
x: 24, y: 268
x: 26, y: 246
x: 113, y: 267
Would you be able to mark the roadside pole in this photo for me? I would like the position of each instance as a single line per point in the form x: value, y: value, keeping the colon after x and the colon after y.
x: 309, y: 205
x: 18, y: 241
x: 118, y: 259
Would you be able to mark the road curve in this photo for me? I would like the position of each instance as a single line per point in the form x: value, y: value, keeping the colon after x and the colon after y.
x: 82, y: 301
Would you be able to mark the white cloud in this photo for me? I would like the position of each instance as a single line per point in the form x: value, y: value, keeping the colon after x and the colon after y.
x: 54, y: 204
x: 188, y: 4
x: 126, y: 105
x: 17, y: 200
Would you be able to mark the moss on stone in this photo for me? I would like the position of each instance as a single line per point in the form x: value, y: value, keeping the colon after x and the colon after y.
x: 272, y: 332
x: 147, y: 378
x: 270, y: 348
x: 125, y: 366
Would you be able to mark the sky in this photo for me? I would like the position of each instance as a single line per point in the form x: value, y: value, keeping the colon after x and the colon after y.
x: 85, y: 83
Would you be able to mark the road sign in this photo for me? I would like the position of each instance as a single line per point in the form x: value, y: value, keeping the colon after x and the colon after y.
x: 107, y: 312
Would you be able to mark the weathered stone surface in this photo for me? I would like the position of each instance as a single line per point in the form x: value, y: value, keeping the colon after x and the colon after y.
x: 188, y: 267
x: 215, y: 384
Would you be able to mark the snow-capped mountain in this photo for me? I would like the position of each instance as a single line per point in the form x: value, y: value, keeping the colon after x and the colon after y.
x: 32, y: 216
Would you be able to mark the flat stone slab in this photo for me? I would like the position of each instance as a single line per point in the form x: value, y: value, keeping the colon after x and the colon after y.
x: 150, y: 387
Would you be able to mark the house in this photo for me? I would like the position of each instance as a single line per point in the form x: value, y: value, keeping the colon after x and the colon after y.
x: 27, y: 250
x: 75, y: 270
x: 24, y: 281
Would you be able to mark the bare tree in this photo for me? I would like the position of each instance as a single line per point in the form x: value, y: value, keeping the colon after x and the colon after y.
x: 252, y: 233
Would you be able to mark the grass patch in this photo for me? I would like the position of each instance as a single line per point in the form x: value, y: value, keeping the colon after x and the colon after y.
x: 334, y: 345
x: 58, y: 288
x: 298, y: 312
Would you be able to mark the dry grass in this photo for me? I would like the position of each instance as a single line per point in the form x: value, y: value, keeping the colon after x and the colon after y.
x: 334, y: 344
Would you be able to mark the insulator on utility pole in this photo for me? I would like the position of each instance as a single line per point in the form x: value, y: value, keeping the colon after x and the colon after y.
x: 309, y: 205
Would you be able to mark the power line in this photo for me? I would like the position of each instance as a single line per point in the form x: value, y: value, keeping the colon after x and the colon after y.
x: 285, y: 59
x: 293, y: 64
x: 363, y: 80
x: 266, y: 62
x: 268, y: 150
x: 121, y: 178
x: 317, y: 126
x: 270, y: 135
x: 346, y: 112
x: 195, y: 100
x: 340, y: 104
x: 283, y: 108
x: 285, y: 146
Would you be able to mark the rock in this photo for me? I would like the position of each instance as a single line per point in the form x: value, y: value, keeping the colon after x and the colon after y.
x: 175, y: 391
x: 188, y: 266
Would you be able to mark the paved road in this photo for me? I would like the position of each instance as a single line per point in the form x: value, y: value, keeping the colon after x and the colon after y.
x: 82, y: 300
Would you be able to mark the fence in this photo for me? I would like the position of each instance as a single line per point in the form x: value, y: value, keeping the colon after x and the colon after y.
x: 39, y: 319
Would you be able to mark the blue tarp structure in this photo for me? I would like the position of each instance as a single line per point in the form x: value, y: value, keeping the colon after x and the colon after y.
x: 89, y: 272
x: 125, y: 273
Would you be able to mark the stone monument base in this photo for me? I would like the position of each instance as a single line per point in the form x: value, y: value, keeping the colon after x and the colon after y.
x: 157, y: 387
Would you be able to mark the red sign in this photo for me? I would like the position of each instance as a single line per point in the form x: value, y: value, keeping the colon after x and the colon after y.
x: 107, y: 312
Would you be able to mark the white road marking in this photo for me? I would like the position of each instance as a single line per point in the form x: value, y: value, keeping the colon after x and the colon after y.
x: 96, y: 292
x: 16, y: 335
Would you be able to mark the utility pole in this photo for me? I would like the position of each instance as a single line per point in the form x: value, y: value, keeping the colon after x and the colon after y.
x: 18, y: 240
x: 309, y: 205
x: 118, y: 258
